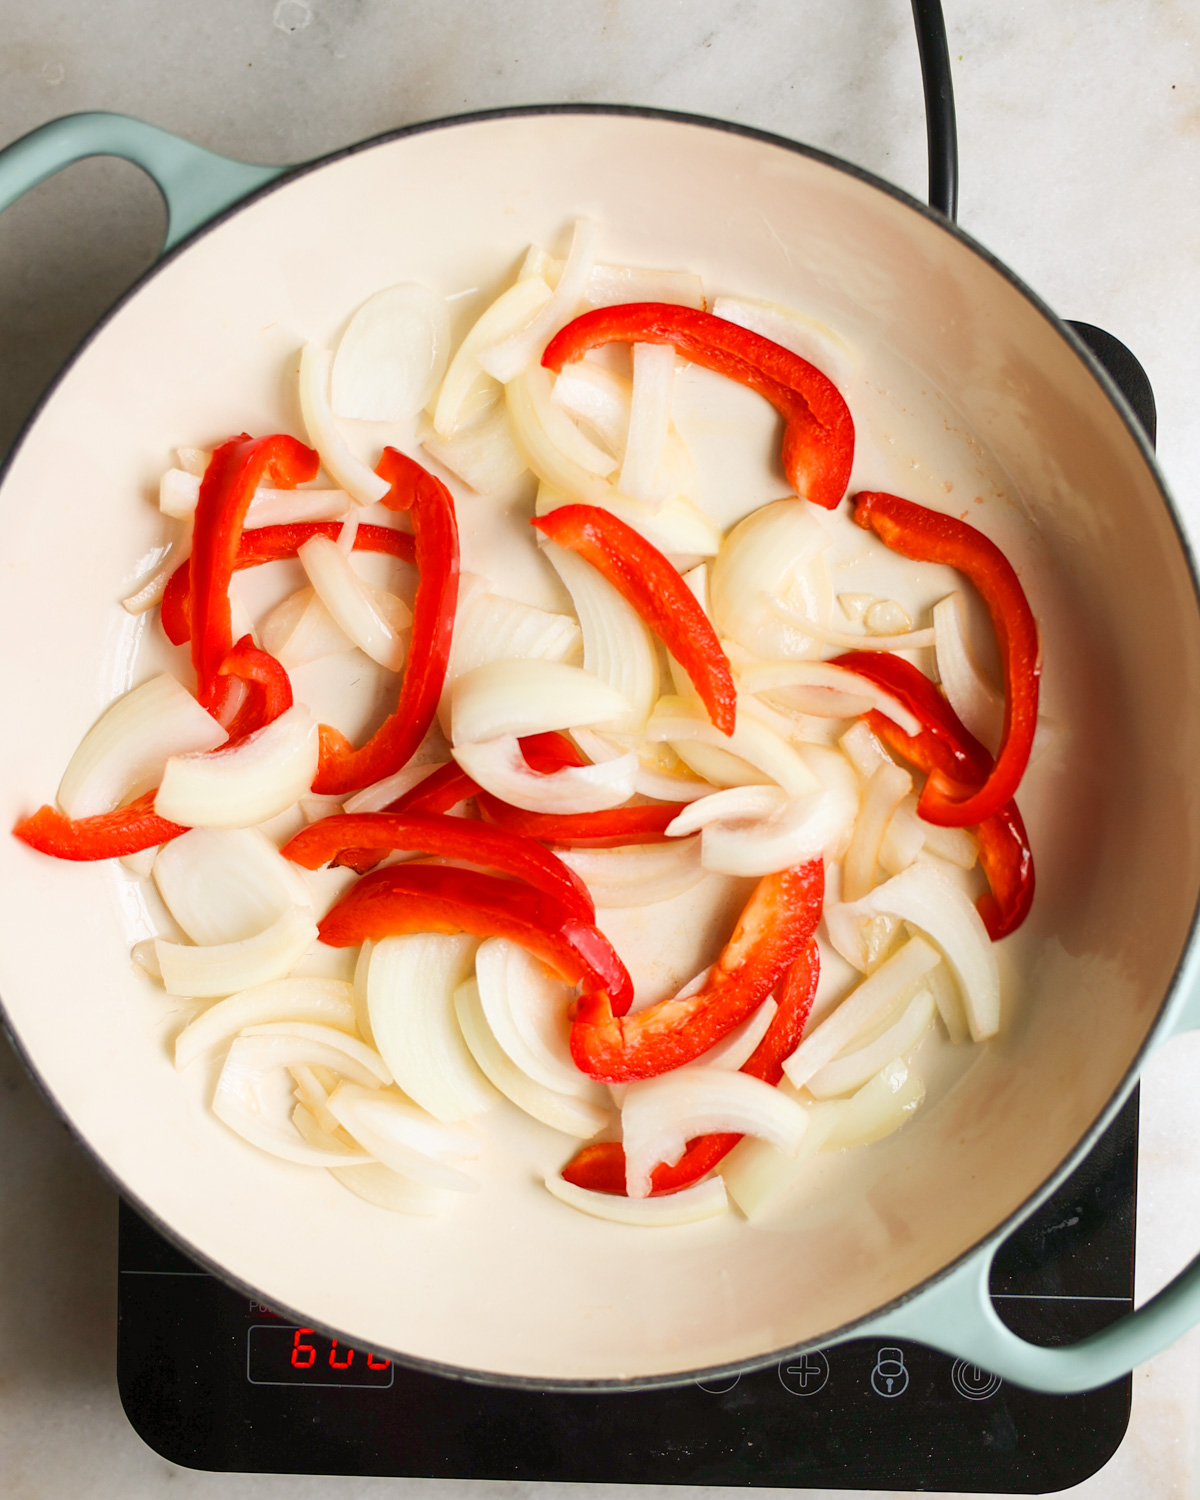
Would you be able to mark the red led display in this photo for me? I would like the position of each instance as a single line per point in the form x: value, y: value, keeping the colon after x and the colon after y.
x: 282, y: 1355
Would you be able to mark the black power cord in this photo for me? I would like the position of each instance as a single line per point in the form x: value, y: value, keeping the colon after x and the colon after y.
x: 940, y: 126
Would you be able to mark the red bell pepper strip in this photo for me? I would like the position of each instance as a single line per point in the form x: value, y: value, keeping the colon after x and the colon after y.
x: 644, y: 823
x: 550, y: 752
x: 228, y: 485
x: 449, y: 785
x: 946, y: 745
x: 264, y: 544
x: 269, y: 688
x: 342, y: 768
x: 601, y: 1167
x: 778, y: 923
x: 928, y: 536
x: 644, y: 577
x: 127, y: 830
x: 435, y: 898
x: 452, y: 838
x: 436, y: 793
x: 818, y: 439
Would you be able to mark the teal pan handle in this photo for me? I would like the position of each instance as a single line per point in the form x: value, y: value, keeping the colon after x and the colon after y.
x: 956, y: 1314
x: 196, y: 184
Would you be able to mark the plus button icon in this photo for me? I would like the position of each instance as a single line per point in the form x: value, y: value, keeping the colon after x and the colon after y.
x: 806, y: 1374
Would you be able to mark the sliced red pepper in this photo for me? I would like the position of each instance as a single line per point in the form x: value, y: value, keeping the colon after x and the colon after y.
x: 264, y: 544
x: 436, y: 793
x: 644, y: 823
x: 435, y: 898
x: 818, y: 439
x: 946, y: 745
x: 601, y: 1167
x: 772, y: 932
x: 928, y: 536
x: 550, y: 752
x: 108, y: 835
x: 228, y: 486
x: 269, y: 688
x: 452, y: 838
x: 644, y: 577
x: 435, y: 530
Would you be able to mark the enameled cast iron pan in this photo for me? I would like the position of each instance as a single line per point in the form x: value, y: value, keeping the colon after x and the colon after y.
x: 964, y: 379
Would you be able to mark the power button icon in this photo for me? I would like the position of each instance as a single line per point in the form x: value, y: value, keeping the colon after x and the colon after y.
x: 972, y: 1382
x: 889, y: 1378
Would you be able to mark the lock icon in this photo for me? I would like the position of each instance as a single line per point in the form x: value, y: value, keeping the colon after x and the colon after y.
x: 889, y: 1378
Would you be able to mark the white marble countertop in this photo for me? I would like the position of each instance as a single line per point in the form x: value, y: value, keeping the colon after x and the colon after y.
x: 1080, y: 150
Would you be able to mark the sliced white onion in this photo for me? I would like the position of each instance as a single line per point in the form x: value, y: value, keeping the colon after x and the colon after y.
x: 553, y: 447
x: 314, y: 1133
x: 123, y: 754
x: 853, y: 1069
x: 864, y: 750
x: 735, y: 803
x: 660, y: 773
x: 736, y: 1048
x: 879, y: 1108
x: 526, y: 697
x: 379, y: 794
x: 194, y: 460
x: 971, y: 695
x: 178, y: 492
x: 140, y: 862
x: 208, y: 971
x: 380, y: 1186
x: 500, y: 767
x: 483, y: 455
x: 923, y: 897
x: 649, y: 419
x: 613, y: 286
x: 246, y: 784
x: 903, y: 839
x: 703, y: 1200
x: 512, y: 310
x: 639, y: 874
x: 566, y: 1112
x: 618, y: 647
x: 765, y: 558
x: 888, y: 786
x: 150, y: 593
x: 810, y: 339
x: 507, y: 358
x: 410, y: 997
x: 392, y: 355
x: 339, y: 461
x: 956, y: 846
x: 816, y: 824
x: 225, y: 884
x: 911, y: 640
x: 328, y: 1036
x: 825, y: 690
x: 751, y: 741
x: 598, y: 396
x: 660, y: 1115
x: 404, y: 1137
x: 490, y: 627
x: 301, y: 629
x: 527, y: 1012
x: 678, y: 528
x: 860, y: 1008
x: 250, y: 1084
x: 374, y: 627
x: 756, y: 1174
x: 949, y: 1004
x: 717, y: 766
x: 312, y: 1093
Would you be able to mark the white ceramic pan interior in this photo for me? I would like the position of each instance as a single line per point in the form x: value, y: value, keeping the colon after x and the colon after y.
x: 965, y: 396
